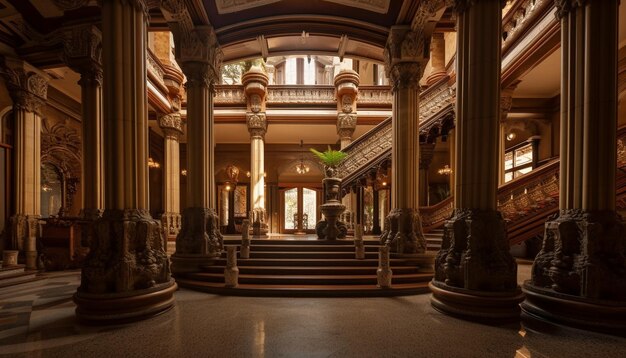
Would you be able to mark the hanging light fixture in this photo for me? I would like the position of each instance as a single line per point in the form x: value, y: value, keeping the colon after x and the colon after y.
x: 302, y: 168
x: 446, y: 170
x: 153, y: 164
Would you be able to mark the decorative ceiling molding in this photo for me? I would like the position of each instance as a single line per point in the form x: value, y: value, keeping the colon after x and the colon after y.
x: 228, y: 6
x: 379, y: 6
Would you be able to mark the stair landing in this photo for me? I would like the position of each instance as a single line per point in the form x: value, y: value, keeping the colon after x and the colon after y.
x: 302, y: 266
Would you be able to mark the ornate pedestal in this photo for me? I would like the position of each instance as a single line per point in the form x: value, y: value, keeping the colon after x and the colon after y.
x: 403, y: 232
x: 199, y: 241
x: 259, y: 224
x: 579, y: 276
x: 126, y: 275
x: 331, y: 228
x: 476, y: 276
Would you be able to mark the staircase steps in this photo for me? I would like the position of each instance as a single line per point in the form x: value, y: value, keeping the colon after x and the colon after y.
x: 311, y: 268
x: 433, y: 239
x: 15, y: 275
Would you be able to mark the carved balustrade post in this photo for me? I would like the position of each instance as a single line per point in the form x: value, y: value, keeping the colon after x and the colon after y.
x: 405, y: 60
x: 427, y: 151
x: 437, y: 58
x: 475, y: 275
x: 347, y: 89
x: 28, y: 88
x: 255, y: 84
x: 581, y: 262
x: 172, y: 127
x: 199, y: 56
x: 83, y: 53
x: 127, y: 265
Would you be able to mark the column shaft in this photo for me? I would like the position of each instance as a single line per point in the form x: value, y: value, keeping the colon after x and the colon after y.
x: 93, y: 172
x: 405, y: 150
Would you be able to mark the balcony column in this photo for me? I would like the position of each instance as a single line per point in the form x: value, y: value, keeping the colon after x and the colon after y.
x: 172, y: 127
x: 581, y: 262
x: 346, y: 89
x: 127, y: 266
x: 427, y: 151
x: 437, y: 58
x: 28, y: 89
x: 255, y: 86
x: 405, y: 62
x: 475, y: 275
x: 199, y: 240
x: 83, y: 55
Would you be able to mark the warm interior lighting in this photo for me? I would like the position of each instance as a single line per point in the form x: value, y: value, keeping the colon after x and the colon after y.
x: 183, y: 172
x: 510, y: 136
x: 46, y: 187
x: 302, y: 168
x: 446, y: 170
x: 228, y: 187
x: 384, y: 183
x: 248, y: 174
x: 153, y: 164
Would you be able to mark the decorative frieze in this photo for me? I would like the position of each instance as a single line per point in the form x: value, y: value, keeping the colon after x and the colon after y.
x: 305, y: 95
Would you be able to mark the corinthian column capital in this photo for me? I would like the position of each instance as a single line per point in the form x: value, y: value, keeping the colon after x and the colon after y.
x: 27, y: 85
x: 171, y: 124
x: 406, y: 54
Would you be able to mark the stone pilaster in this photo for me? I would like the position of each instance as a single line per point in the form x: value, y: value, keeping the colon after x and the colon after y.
x: 404, y: 61
x: 346, y: 89
x: 581, y: 263
x: 427, y: 151
x: 475, y: 275
x: 255, y: 86
x: 172, y: 127
x: 199, y: 55
x: 28, y: 89
x: 83, y: 53
x: 126, y: 275
x: 437, y: 58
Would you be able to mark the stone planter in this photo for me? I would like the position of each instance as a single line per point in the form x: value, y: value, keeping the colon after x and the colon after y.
x: 331, y: 228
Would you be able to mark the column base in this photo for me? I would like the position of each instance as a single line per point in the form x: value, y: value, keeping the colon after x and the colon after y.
x: 198, y: 242
x: 475, y: 253
x: 127, y: 254
x: 259, y: 223
x: 544, y: 308
x: 403, y: 232
x: 483, y: 306
x: 114, y: 308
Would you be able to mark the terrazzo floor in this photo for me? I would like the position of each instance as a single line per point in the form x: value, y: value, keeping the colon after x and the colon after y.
x: 37, y: 320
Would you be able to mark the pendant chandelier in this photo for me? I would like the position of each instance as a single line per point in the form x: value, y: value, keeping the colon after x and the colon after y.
x: 302, y: 168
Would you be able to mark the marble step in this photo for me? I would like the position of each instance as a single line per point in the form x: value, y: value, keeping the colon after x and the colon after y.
x: 306, y: 255
x: 309, y: 279
x: 254, y: 242
x: 317, y: 262
x: 309, y: 248
x: 312, y: 270
x: 305, y: 290
x: 15, y: 275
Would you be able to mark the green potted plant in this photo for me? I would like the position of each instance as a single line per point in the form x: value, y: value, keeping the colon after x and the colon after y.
x: 330, y: 158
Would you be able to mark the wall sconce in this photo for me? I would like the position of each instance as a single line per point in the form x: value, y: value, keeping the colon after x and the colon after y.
x: 152, y: 164
x: 511, y: 136
x: 183, y: 172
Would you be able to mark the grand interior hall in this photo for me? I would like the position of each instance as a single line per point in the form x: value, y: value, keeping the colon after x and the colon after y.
x: 336, y: 178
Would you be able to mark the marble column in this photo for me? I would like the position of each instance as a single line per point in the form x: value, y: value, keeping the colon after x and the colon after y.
x: 437, y: 58
x: 126, y: 274
x: 172, y: 127
x: 346, y: 89
x: 83, y: 54
x: 579, y: 276
x: 255, y: 86
x: 404, y: 62
x: 475, y: 275
x: 28, y: 88
x: 427, y: 151
x: 199, y: 241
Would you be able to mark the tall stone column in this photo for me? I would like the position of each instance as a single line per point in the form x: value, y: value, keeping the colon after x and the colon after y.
x: 199, y: 241
x: 126, y: 275
x: 83, y: 52
x: 405, y: 61
x: 172, y: 127
x: 28, y: 88
x: 427, y: 151
x: 437, y: 58
x: 346, y: 89
x: 475, y: 275
x: 579, y: 276
x: 255, y: 86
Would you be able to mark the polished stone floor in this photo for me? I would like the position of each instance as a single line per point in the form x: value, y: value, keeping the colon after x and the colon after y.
x: 37, y: 320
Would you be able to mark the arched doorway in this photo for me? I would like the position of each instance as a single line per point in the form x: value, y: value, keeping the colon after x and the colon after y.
x: 299, y: 209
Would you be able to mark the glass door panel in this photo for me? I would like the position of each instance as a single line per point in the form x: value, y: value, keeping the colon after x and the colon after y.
x: 309, y: 208
x: 291, y: 209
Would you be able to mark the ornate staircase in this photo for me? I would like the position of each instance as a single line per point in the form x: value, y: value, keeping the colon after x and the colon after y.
x: 311, y: 268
